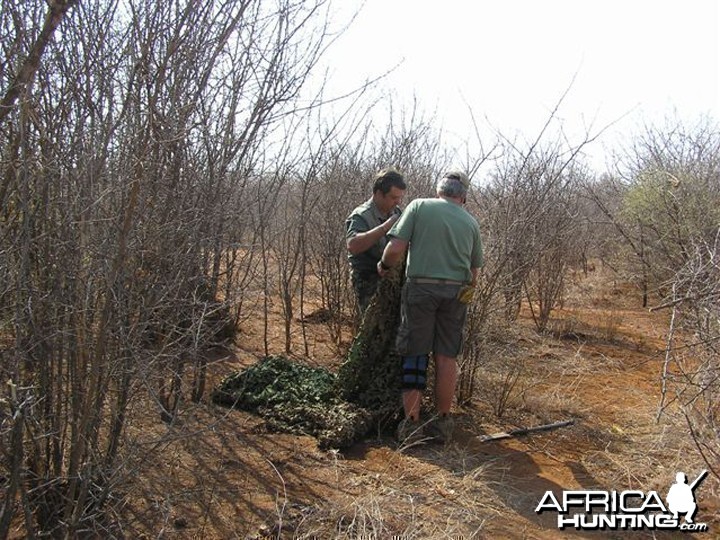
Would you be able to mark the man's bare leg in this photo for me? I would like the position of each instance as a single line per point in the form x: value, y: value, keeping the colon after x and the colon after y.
x: 446, y: 376
x: 411, y: 404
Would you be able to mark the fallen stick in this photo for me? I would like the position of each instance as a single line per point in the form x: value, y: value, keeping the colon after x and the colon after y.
x: 524, y: 431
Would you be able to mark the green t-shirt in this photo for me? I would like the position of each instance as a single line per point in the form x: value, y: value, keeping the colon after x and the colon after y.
x: 444, y: 240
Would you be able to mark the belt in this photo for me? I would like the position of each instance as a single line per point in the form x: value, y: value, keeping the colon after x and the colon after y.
x: 435, y: 281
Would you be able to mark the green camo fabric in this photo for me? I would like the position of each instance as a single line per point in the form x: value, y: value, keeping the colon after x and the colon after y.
x: 338, y: 409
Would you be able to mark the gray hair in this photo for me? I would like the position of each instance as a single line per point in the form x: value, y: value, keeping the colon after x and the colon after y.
x: 450, y: 187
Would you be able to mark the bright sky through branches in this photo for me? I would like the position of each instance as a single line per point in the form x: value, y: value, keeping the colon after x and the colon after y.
x: 512, y: 60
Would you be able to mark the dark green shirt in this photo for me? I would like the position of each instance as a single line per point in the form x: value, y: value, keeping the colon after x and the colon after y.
x: 364, y: 218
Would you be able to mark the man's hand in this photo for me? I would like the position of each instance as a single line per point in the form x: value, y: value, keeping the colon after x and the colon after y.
x: 392, y: 256
x: 389, y: 222
x: 466, y: 294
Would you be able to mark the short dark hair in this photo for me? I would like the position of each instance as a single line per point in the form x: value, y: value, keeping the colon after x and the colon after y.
x: 388, y: 178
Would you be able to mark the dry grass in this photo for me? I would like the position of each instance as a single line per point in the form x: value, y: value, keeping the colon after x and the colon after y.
x: 431, y: 493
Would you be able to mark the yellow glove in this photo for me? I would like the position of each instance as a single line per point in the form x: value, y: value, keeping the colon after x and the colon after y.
x: 466, y: 294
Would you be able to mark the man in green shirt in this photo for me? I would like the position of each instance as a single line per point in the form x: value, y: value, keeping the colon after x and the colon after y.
x: 444, y: 255
x: 366, y: 227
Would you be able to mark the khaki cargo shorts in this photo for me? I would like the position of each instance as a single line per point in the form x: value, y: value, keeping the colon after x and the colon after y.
x: 431, y: 319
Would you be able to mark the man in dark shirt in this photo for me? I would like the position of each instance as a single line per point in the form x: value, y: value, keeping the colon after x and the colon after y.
x: 366, y: 227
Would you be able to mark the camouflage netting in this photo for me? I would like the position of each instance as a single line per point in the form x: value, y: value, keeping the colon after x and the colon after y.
x: 338, y: 410
x: 371, y: 375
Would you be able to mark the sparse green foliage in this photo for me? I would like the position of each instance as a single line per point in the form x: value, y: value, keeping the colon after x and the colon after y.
x: 672, y: 209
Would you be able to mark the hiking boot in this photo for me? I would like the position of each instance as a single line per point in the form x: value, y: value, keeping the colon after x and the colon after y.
x: 441, y: 428
x: 410, y: 432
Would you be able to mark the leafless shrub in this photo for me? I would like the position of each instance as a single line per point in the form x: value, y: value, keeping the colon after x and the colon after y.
x: 124, y: 255
x: 692, y: 368
x: 537, y: 221
x: 530, y: 217
x: 328, y: 255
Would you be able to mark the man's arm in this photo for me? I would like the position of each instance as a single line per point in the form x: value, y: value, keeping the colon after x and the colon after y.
x: 474, y: 272
x: 393, y: 254
x: 361, y: 242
